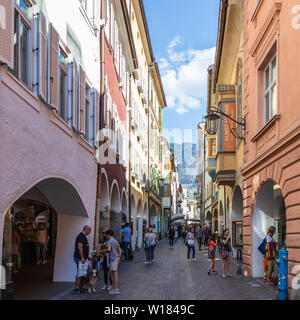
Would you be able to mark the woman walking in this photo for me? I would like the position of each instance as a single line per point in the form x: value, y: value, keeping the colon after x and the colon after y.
x: 190, y: 238
x: 227, y: 253
x: 147, y: 246
x: 153, y: 244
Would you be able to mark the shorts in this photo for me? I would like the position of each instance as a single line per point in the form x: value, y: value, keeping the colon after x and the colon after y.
x: 211, y: 254
x: 229, y: 254
x: 114, y: 265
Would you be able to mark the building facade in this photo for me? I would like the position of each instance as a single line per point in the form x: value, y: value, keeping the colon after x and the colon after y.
x: 49, y: 89
x: 271, y: 154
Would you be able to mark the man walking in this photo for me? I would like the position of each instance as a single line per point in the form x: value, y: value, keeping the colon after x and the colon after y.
x: 126, y: 234
x: 115, y: 253
x: 81, y: 253
x: 200, y: 236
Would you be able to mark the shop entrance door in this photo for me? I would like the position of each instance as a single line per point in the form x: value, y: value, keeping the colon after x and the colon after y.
x: 27, y: 269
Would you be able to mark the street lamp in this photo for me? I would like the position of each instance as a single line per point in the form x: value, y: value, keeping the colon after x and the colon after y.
x: 213, y: 117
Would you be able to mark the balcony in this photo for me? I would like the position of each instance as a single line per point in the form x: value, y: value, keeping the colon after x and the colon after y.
x: 225, y: 174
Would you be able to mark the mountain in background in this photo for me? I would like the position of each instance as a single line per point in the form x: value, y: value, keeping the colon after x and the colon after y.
x: 185, y: 155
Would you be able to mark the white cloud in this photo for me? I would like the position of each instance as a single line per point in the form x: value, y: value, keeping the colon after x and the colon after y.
x: 184, y: 76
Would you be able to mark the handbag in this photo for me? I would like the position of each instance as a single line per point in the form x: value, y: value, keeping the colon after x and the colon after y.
x: 147, y: 244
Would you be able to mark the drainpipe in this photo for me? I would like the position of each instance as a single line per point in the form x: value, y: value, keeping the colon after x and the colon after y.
x: 102, y: 91
x: 149, y: 187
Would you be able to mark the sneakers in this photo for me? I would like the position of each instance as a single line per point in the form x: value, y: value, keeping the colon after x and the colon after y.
x: 146, y: 262
x: 104, y: 287
x: 209, y: 272
x: 190, y: 260
x: 39, y: 262
x: 194, y: 259
x: 114, y: 291
x: 214, y: 272
x: 109, y: 287
x: 45, y: 262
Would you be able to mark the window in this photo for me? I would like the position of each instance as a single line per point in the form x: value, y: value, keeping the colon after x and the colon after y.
x: 22, y: 52
x: 63, y: 93
x: 270, y: 89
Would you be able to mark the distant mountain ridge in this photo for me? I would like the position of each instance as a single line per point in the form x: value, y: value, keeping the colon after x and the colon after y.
x: 185, y: 155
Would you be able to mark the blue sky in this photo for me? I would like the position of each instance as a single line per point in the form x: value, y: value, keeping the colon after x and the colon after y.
x: 183, y: 35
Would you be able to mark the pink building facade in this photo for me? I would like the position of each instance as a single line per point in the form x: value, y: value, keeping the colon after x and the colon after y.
x: 49, y: 104
x: 271, y: 170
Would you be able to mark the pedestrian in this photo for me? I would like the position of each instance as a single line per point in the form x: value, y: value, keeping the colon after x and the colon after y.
x: 271, y: 254
x: 81, y: 253
x: 115, y: 253
x: 153, y: 244
x: 41, y: 243
x: 147, y: 246
x: 105, y: 263
x: 126, y: 234
x: 191, y: 244
x: 200, y: 236
x: 15, y: 249
x: 171, y: 235
x: 212, y: 254
x: 228, y: 253
x: 176, y: 233
x: 184, y: 233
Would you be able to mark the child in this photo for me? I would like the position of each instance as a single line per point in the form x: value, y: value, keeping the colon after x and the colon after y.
x: 211, y: 254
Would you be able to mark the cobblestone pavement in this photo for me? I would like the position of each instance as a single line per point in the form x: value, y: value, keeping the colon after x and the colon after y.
x: 173, y: 277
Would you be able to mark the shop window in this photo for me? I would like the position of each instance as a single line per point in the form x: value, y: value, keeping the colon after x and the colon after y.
x: 237, y: 233
x: 270, y: 89
x: 22, y: 50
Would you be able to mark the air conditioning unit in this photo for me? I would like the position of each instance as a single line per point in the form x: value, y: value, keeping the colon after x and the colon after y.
x: 147, y: 108
x: 133, y: 175
x: 121, y: 84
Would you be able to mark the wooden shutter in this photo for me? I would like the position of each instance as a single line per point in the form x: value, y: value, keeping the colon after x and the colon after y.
x: 71, y: 94
x: 7, y: 32
x: 82, y: 101
x: 97, y: 115
x: 42, y: 56
x: 54, y: 68
x: 75, y: 96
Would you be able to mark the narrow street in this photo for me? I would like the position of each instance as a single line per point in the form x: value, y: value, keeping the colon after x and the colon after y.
x: 172, y: 277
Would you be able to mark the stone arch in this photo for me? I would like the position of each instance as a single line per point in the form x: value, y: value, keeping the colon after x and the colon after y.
x: 115, y: 210
x: 268, y: 210
x: 63, y: 198
x: 215, y: 226
x: 208, y: 217
x: 124, y: 209
x: 104, y: 202
x: 139, y: 224
x: 153, y: 218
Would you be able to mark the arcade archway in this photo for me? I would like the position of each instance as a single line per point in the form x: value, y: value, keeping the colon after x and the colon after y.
x: 55, y: 206
x: 269, y: 211
x: 115, y: 212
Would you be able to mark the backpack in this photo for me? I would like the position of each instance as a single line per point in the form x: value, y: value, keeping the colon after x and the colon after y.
x: 262, y: 247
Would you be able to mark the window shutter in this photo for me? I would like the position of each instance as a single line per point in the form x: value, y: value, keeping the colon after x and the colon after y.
x: 7, y: 32
x: 82, y: 101
x: 42, y: 56
x: 75, y: 96
x: 97, y: 116
x: 54, y: 67
x: 71, y: 100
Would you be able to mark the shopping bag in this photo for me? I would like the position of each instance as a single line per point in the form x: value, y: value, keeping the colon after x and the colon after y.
x: 82, y: 269
x: 262, y: 247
